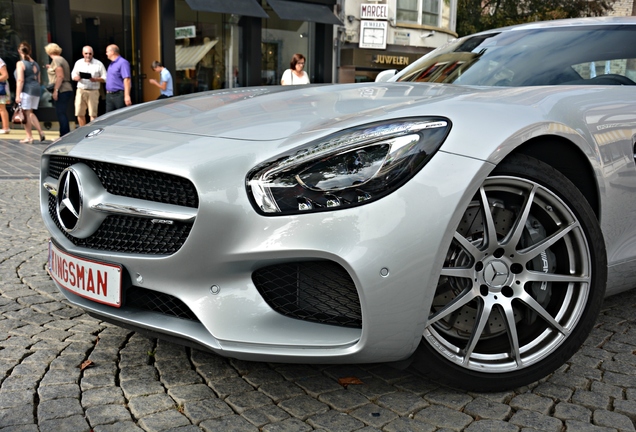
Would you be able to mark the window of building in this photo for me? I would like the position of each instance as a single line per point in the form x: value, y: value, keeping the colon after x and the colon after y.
x: 208, y: 60
x: 23, y: 20
x: 424, y: 12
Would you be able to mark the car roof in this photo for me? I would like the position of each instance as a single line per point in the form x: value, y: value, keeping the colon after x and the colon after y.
x: 570, y: 22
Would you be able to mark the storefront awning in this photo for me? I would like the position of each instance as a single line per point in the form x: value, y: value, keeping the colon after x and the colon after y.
x: 298, y: 11
x: 187, y: 57
x: 250, y: 8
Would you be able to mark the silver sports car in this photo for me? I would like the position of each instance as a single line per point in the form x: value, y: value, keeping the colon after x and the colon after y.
x: 466, y: 216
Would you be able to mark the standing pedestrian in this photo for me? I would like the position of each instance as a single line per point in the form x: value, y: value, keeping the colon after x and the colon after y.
x: 5, y: 97
x: 117, y: 80
x: 27, y: 92
x: 165, y: 80
x: 295, y: 75
x: 59, y: 73
x: 89, y: 74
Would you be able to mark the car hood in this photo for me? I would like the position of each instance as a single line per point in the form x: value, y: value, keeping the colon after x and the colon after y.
x: 266, y: 121
x: 277, y: 112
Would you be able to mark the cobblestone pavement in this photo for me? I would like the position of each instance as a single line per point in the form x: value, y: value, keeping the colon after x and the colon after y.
x: 135, y: 383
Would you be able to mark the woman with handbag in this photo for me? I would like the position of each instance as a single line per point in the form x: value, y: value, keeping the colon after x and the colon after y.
x: 27, y: 92
x: 5, y: 97
x: 59, y: 73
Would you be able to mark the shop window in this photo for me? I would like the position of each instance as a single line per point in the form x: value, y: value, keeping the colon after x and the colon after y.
x: 208, y: 58
x: 270, y: 61
x: 22, y: 20
x: 423, y: 12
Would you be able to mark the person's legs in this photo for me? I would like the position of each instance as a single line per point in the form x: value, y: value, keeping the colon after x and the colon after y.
x: 114, y: 101
x: 27, y: 126
x: 4, y: 115
x: 61, y: 107
x: 36, y: 124
x: 110, y: 102
x: 80, y: 107
x: 93, y: 104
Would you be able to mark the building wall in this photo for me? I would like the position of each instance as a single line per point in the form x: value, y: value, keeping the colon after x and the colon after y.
x: 405, y: 42
x: 622, y: 8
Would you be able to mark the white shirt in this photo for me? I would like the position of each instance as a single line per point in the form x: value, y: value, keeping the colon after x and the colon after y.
x: 289, y: 78
x: 94, y: 67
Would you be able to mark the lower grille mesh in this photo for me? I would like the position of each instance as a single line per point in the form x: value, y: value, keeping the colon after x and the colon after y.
x: 155, y: 301
x: 316, y: 291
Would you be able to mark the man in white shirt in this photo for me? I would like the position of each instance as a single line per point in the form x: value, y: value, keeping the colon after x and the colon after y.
x: 89, y: 74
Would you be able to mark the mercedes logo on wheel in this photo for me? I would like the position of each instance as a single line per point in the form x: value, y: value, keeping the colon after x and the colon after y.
x: 496, y: 274
x: 69, y: 199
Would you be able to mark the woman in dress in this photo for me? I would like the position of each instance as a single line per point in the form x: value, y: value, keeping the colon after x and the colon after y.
x: 27, y: 92
x: 5, y: 97
x: 295, y: 75
x: 59, y: 73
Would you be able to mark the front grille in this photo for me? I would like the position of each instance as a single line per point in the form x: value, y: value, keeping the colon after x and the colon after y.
x: 154, y: 301
x: 316, y: 291
x: 129, y: 234
x: 132, y: 234
x: 134, y: 182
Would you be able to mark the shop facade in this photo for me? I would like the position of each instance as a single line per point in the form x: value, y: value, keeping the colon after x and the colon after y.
x: 391, y: 34
x: 205, y: 44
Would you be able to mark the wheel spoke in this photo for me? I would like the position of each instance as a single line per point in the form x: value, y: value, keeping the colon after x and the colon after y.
x: 483, y: 313
x: 458, y: 272
x: 462, y: 299
x: 512, y: 335
x: 535, y: 306
x: 515, y: 234
x: 491, y: 233
x: 535, y: 276
x: 467, y: 245
x: 534, y: 250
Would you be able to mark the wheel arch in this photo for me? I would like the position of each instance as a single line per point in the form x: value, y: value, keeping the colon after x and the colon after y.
x: 567, y: 158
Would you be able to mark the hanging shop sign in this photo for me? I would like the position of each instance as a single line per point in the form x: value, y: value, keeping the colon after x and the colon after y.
x: 373, y: 34
x: 374, y: 11
x: 185, y: 32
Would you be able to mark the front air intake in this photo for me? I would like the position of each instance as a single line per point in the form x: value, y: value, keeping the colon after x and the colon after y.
x: 316, y: 291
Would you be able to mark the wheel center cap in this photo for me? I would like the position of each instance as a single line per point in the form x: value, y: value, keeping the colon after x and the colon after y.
x: 496, y: 273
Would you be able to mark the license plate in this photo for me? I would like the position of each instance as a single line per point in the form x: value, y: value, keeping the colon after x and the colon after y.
x: 94, y: 280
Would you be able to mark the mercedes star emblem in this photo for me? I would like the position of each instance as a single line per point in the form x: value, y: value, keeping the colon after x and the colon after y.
x: 94, y: 133
x: 69, y: 199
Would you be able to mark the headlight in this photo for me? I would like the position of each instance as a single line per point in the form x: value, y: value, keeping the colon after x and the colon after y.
x: 350, y: 168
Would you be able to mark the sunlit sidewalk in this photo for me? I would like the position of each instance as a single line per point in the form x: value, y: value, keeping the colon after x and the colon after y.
x: 22, y: 161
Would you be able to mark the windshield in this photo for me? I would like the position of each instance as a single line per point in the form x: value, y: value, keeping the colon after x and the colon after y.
x: 530, y: 57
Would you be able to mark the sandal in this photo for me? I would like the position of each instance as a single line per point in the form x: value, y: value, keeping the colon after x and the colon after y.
x: 26, y: 141
x: 42, y: 137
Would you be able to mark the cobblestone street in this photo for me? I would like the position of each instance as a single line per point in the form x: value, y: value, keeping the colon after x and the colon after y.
x: 61, y: 370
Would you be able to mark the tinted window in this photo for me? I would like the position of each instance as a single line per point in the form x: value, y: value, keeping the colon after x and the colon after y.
x: 548, y: 56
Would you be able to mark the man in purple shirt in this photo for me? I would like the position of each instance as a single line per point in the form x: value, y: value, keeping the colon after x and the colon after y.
x: 117, y: 80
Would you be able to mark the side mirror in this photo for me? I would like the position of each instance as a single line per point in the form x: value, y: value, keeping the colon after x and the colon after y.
x: 385, y: 75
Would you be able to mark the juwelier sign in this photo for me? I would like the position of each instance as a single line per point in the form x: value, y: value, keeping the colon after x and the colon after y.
x: 185, y: 32
x: 373, y: 34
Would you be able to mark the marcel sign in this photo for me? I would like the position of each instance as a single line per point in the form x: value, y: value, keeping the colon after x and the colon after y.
x: 374, y: 11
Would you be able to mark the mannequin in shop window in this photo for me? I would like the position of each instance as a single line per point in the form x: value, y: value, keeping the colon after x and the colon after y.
x: 295, y: 75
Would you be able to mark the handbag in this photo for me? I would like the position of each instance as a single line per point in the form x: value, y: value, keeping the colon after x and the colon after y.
x: 19, y: 116
x: 3, y: 88
x: 50, y: 88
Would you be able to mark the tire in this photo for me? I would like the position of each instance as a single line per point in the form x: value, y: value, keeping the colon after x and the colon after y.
x: 522, y: 282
